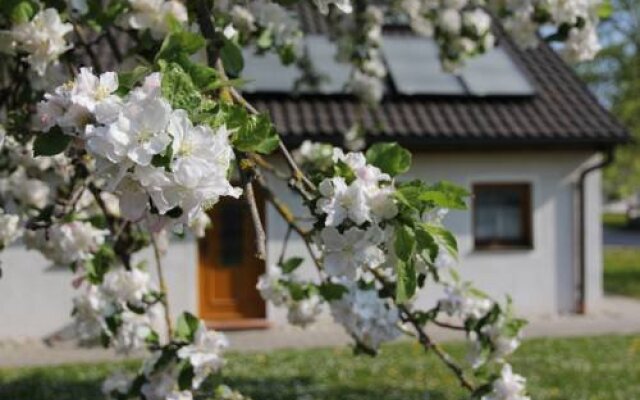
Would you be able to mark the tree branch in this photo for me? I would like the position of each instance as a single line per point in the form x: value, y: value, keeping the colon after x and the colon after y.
x: 163, y: 286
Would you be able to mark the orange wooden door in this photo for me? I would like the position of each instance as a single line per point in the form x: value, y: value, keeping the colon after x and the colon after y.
x: 229, y: 270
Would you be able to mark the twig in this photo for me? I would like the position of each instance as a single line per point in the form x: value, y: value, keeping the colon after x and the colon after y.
x: 163, y: 286
x: 285, y: 244
x: 261, y: 237
x: 448, y: 325
x: 428, y: 344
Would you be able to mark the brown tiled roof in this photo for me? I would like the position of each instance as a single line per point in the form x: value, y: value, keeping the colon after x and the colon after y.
x: 561, y: 113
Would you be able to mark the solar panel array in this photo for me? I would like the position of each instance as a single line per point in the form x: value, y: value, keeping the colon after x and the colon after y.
x: 413, y: 66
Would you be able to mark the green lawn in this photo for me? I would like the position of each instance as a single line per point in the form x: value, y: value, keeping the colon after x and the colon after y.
x: 622, y: 271
x: 614, y: 220
x: 606, y: 367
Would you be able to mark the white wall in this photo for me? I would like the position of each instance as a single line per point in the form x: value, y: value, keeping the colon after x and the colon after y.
x: 36, y: 300
x: 36, y: 297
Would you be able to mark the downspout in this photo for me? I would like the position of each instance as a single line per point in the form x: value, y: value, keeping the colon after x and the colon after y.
x: 581, y: 284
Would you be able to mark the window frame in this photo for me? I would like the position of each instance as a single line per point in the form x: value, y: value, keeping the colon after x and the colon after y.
x: 525, y: 242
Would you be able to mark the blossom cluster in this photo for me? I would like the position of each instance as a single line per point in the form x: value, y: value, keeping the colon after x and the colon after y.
x: 128, y: 135
x: 367, y: 317
x: 43, y: 39
x: 66, y: 243
x: 274, y: 286
x: 156, y: 16
x: 159, y: 378
x: 462, y: 28
x: 117, y: 311
x: 575, y: 22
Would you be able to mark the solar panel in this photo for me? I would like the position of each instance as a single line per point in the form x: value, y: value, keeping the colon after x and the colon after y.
x: 495, y: 74
x: 415, y: 67
x: 322, y: 56
x: 265, y: 73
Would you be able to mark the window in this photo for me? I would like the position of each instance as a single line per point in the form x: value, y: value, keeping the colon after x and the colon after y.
x: 502, y: 215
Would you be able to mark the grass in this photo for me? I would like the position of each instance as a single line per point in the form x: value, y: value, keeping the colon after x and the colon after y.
x: 606, y: 367
x: 614, y: 220
x: 622, y: 271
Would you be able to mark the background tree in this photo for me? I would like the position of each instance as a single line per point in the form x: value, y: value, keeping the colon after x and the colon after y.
x: 614, y: 75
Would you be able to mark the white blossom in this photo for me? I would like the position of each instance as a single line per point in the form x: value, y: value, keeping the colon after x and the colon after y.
x: 138, y: 134
x: 341, y: 201
x: 160, y: 385
x: 477, y: 20
x: 277, y: 19
x: 117, y: 384
x: 96, y: 94
x: 365, y: 316
x: 28, y: 191
x: 205, y: 353
x: 354, y: 250
x: 9, y: 228
x: 449, y: 21
x: 79, y: 7
x: 127, y: 286
x: 155, y: 15
x: 66, y: 243
x: 508, y: 386
x: 459, y: 301
x: 42, y: 38
x: 271, y: 289
x: 369, y: 89
x: 305, y: 311
x: 582, y: 44
x: 242, y: 19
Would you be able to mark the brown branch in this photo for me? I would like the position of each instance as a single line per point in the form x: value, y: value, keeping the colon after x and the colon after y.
x: 448, y: 325
x: 429, y: 344
x: 261, y: 237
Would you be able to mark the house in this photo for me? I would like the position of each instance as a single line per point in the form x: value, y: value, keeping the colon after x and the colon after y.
x: 517, y: 128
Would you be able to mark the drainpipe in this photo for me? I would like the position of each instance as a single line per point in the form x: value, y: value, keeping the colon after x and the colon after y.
x: 581, y: 284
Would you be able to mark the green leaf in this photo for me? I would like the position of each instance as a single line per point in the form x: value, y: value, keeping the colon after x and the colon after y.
x: 404, y: 245
x: 231, y: 56
x: 297, y: 290
x: 605, y: 9
x: 407, y: 282
x: 23, y: 12
x: 178, y: 88
x: 265, y: 40
x: 51, y: 143
x: 180, y: 43
x: 290, y: 265
x: 405, y: 242
x: 187, y: 326
x: 445, y: 195
x: 443, y: 237
x: 127, y: 80
x: 256, y: 134
x: 99, y: 265
x: 185, y: 378
x: 332, y: 291
x: 152, y: 339
x: 390, y: 158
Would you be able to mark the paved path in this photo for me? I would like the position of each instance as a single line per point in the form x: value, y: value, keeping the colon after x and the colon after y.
x: 617, y: 315
x: 620, y: 237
